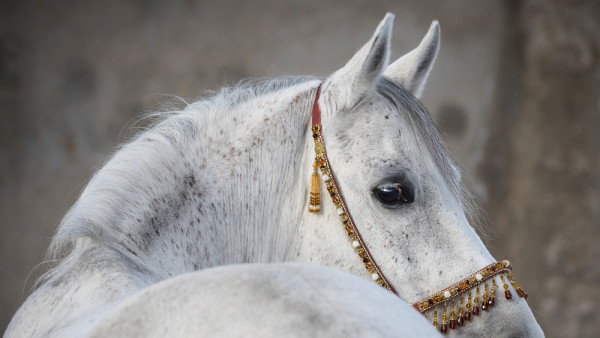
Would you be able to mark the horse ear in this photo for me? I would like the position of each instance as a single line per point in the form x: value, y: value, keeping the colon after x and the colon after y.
x: 357, y: 78
x: 412, y: 69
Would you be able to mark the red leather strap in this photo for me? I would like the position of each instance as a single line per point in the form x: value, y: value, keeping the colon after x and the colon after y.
x: 316, y: 113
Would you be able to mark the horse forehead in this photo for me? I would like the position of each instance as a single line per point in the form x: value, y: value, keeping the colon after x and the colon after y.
x: 377, y: 106
x: 380, y: 131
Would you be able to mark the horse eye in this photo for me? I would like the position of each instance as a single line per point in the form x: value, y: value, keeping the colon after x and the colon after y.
x: 391, y: 194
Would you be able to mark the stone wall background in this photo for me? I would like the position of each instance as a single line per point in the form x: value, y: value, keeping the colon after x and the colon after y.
x: 515, y: 91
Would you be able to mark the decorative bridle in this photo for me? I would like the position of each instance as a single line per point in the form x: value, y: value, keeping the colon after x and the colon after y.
x: 455, y: 293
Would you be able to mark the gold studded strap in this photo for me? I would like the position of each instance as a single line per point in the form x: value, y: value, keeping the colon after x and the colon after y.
x: 341, y: 208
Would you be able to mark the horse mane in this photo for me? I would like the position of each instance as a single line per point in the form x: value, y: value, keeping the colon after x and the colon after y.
x: 86, y: 223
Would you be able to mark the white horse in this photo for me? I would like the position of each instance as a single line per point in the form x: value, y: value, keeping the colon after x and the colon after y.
x: 155, y: 244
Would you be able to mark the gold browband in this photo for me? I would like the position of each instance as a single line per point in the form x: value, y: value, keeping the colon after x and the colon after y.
x: 439, y: 299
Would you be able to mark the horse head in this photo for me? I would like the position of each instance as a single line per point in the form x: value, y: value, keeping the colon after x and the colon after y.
x: 404, y: 222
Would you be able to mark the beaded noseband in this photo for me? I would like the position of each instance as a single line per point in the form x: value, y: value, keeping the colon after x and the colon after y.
x: 455, y: 293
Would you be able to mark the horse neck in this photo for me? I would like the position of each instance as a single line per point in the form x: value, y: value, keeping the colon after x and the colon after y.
x: 203, y: 188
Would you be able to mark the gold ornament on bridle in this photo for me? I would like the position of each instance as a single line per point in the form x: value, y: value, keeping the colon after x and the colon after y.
x: 439, y: 301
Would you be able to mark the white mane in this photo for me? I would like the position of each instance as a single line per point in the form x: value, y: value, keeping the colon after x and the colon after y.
x: 108, y: 210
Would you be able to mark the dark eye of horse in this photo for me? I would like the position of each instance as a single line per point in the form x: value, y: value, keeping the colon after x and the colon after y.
x: 391, y: 194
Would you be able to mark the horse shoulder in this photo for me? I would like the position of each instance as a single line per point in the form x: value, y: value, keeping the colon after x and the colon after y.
x: 265, y: 300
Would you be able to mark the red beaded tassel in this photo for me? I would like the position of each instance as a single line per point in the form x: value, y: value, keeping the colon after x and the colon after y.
x: 468, y: 312
x: 461, y: 318
x: 452, y: 324
x: 476, y: 301
x: 484, y: 302
x: 492, y: 300
x: 507, y: 293
x: 444, y: 327
x: 517, y: 287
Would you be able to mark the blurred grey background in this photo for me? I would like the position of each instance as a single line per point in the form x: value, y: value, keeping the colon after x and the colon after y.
x: 515, y: 92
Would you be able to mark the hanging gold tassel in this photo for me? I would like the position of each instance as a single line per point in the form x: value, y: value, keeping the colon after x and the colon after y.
x: 315, y: 197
